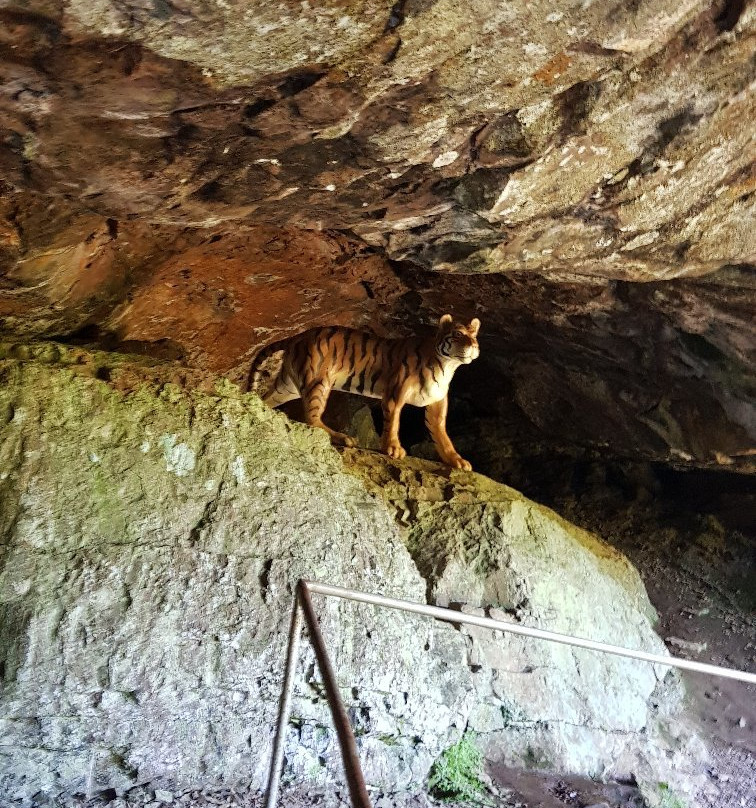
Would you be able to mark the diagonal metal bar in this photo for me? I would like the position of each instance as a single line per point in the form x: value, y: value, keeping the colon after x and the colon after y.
x: 284, y: 706
x: 355, y: 780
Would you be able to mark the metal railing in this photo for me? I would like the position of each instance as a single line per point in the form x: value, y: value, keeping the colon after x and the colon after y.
x: 303, y: 609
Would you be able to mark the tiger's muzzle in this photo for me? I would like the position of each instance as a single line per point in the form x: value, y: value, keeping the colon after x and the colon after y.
x: 469, y: 353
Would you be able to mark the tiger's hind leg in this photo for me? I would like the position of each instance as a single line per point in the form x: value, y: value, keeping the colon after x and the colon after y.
x: 315, y: 398
x: 283, y: 390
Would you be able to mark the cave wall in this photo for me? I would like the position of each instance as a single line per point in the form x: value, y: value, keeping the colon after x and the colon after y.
x: 196, y: 181
x: 660, y: 371
x: 191, y: 181
x: 151, y: 540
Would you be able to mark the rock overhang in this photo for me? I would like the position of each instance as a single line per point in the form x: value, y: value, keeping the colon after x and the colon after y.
x: 197, y: 181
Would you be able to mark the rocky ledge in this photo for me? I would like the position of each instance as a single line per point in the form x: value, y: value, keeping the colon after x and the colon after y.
x: 151, y: 534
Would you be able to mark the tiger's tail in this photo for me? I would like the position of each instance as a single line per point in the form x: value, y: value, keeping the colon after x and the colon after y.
x: 261, y: 357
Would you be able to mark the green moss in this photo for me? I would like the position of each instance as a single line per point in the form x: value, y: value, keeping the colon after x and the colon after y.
x: 455, y: 776
x: 668, y: 798
x: 107, y: 503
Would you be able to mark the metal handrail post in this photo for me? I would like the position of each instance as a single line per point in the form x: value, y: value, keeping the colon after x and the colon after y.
x: 355, y: 780
x: 284, y: 707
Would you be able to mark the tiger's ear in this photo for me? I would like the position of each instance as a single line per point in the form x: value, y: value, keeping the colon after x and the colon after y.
x: 474, y: 326
x: 445, y: 322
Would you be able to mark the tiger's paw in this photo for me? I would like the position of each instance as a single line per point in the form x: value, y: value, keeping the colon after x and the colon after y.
x: 340, y: 439
x: 458, y: 462
x: 396, y: 451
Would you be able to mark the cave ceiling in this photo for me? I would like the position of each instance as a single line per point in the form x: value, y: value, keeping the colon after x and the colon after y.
x: 194, y: 180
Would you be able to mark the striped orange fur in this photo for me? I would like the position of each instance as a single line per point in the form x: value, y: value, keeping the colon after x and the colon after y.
x: 398, y: 371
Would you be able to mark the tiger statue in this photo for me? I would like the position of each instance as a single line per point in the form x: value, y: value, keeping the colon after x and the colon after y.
x: 413, y: 371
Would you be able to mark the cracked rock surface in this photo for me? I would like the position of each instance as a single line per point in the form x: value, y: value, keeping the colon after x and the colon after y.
x: 152, y: 528
x: 150, y: 544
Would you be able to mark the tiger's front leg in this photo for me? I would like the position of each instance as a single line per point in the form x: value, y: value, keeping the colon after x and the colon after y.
x: 435, y: 420
x: 392, y: 409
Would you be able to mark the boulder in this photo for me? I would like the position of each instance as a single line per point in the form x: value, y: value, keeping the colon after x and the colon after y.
x: 150, y: 544
x: 151, y: 534
x: 485, y: 549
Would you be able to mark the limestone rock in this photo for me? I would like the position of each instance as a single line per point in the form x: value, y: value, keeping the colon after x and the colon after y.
x: 150, y: 538
x: 485, y: 549
x: 150, y: 543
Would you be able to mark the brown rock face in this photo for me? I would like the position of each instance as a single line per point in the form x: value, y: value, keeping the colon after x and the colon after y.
x: 195, y: 180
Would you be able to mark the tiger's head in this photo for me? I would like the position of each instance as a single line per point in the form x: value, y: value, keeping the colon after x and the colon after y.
x: 456, y: 340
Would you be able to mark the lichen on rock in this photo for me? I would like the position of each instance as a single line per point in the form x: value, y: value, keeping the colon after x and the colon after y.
x: 145, y: 598
x: 146, y: 588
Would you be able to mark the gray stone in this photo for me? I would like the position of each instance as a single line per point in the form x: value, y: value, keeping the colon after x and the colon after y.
x: 145, y: 601
x: 487, y: 550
